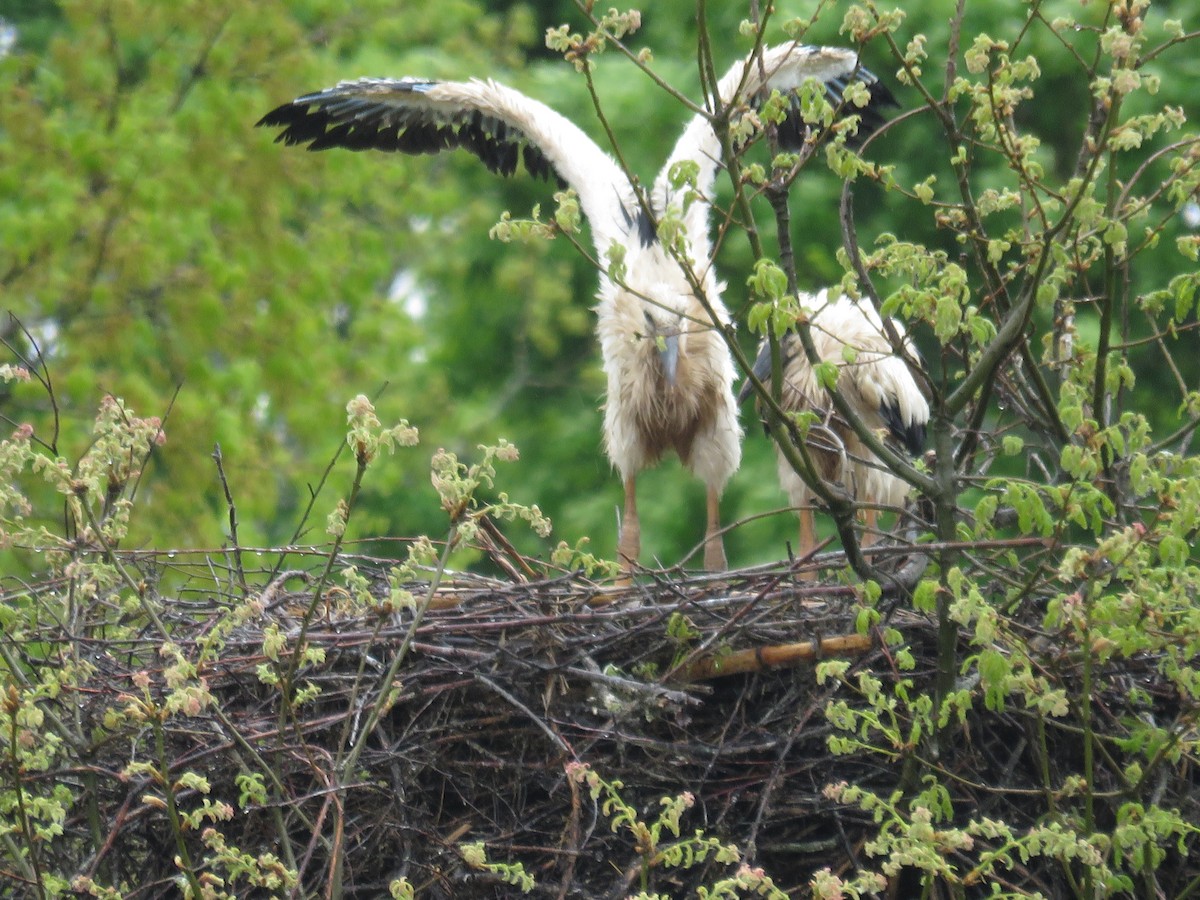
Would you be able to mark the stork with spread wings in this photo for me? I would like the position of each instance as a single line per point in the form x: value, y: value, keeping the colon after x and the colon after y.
x: 669, y: 370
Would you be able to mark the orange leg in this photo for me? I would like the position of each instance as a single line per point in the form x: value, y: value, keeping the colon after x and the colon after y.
x: 629, y: 547
x: 808, y: 539
x: 714, y: 547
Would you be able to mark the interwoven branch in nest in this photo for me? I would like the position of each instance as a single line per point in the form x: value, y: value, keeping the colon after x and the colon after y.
x: 505, y: 684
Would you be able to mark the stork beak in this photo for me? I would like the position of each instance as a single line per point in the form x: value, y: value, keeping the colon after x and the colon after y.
x: 668, y: 352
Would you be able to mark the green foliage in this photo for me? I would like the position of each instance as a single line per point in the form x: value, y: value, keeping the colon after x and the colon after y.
x: 578, y: 559
x: 658, y: 845
x: 654, y: 851
x: 1046, y: 304
x: 475, y: 856
x: 148, y: 214
x: 100, y: 594
x: 1028, y: 223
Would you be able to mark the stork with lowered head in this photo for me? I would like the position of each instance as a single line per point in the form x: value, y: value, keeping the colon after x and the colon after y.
x: 875, y: 364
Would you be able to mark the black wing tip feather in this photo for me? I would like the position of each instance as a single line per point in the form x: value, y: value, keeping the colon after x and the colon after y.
x: 794, y: 132
x: 911, y: 434
x: 298, y: 126
x: 872, y: 117
x: 339, y: 118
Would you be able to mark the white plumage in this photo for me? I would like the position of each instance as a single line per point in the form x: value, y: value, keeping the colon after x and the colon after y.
x: 669, y: 372
x: 875, y: 382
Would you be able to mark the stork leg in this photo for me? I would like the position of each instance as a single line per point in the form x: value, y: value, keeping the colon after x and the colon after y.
x: 714, y: 547
x: 629, y: 547
x: 808, y: 540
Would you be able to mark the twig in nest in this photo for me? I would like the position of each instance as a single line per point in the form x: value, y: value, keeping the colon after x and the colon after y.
x: 760, y: 659
x: 502, y: 552
x: 535, y: 719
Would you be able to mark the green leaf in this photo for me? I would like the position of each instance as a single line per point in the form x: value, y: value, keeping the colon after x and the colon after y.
x: 768, y: 280
x: 925, y: 596
x: 827, y: 374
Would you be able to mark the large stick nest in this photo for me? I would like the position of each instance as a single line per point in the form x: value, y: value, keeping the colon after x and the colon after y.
x: 698, y: 684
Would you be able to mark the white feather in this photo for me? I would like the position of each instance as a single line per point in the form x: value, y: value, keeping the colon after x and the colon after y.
x: 871, y: 376
x: 646, y: 413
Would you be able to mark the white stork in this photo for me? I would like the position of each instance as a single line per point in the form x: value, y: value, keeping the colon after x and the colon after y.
x: 670, y: 374
x: 876, y: 383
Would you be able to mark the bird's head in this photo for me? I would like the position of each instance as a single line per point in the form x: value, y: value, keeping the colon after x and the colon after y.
x: 665, y: 328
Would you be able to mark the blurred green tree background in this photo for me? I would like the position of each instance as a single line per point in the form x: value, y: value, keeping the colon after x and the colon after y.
x: 156, y: 246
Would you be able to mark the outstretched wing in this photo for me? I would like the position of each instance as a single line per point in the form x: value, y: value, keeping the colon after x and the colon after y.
x: 785, y: 68
x: 495, y: 123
